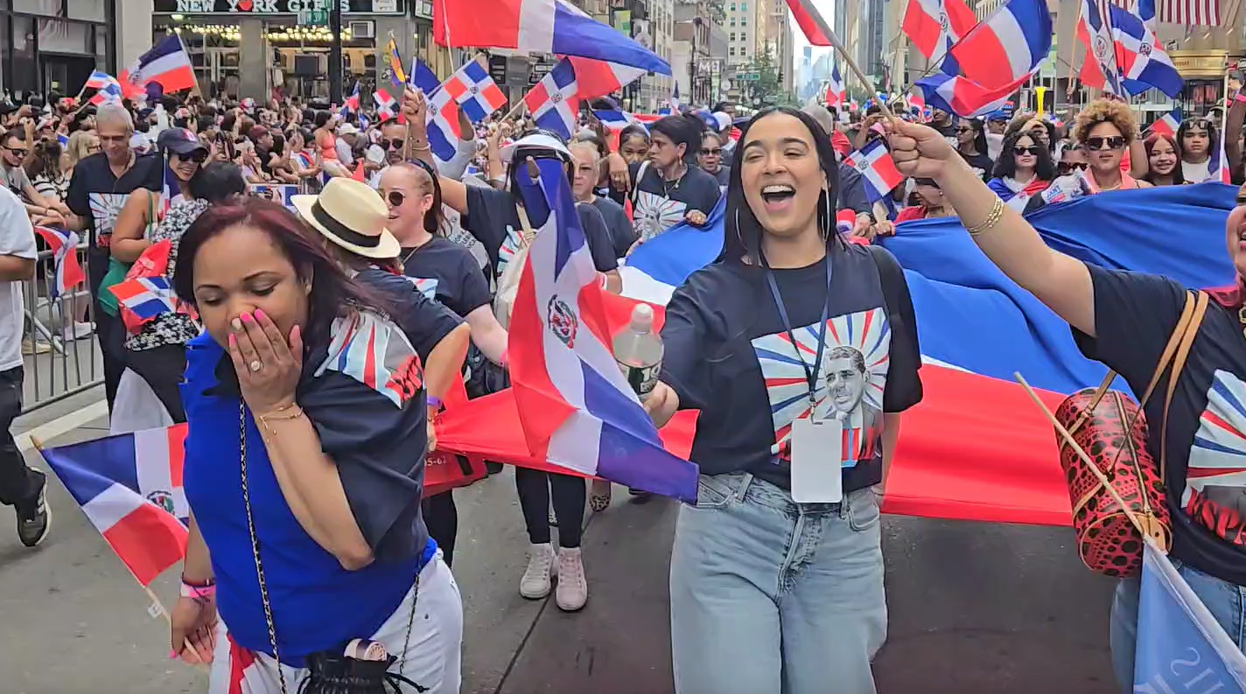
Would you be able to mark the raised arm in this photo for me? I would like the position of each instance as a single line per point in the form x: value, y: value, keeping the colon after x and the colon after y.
x: 1062, y: 283
x: 453, y: 193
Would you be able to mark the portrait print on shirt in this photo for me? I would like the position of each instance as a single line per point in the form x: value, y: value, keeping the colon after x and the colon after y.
x: 851, y: 379
x: 1215, y: 488
x: 106, y: 207
x: 424, y: 285
x: 655, y: 214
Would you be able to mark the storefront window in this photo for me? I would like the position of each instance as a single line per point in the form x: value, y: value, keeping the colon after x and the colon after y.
x: 101, y: 45
x: 25, y: 72
x: 58, y: 36
x: 45, y: 7
x: 92, y: 10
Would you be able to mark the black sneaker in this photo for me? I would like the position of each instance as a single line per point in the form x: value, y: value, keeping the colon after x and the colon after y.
x: 34, y: 519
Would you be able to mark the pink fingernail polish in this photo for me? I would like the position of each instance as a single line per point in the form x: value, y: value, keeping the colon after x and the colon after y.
x: 172, y: 655
x: 259, y: 313
x: 232, y: 339
x: 247, y: 318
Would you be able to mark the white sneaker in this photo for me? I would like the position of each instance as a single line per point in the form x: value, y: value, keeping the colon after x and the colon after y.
x: 572, y: 586
x: 77, y: 332
x: 536, y: 583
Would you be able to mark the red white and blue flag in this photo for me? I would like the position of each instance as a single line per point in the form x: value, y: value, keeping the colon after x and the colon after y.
x: 835, y: 88
x: 614, y: 119
x: 580, y: 413
x: 538, y: 26
x: 147, y: 297
x: 596, y: 78
x: 1168, y: 124
x: 1140, y: 58
x: 1094, y: 29
x: 874, y: 163
x: 386, y: 105
x: 166, y: 64
x: 130, y: 488
x: 443, y: 125
x: 474, y: 91
x: 352, y: 101
x: 108, y: 89
x: 371, y: 351
x: 934, y: 25
x: 1218, y: 163
x: 64, y: 246
x: 553, y: 102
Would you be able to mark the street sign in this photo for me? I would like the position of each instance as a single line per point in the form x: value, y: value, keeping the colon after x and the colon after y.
x: 314, y: 18
x: 747, y: 76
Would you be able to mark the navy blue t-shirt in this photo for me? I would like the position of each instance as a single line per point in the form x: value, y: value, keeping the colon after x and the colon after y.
x: 659, y: 205
x: 728, y: 355
x: 1135, y: 314
x: 370, y: 416
x: 622, y: 234
x: 443, y: 270
x: 493, y: 219
x: 424, y: 321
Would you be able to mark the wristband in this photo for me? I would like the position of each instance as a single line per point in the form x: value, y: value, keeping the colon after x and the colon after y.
x: 604, y: 280
x: 434, y: 402
x: 198, y: 592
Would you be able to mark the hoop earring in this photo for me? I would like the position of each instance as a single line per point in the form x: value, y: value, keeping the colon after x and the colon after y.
x: 738, y: 235
x: 830, y: 218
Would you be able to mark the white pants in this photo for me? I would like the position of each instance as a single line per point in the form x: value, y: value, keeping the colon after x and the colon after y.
x: 433, y: 659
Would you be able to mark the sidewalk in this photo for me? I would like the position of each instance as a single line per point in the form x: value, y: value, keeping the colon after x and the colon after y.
x: 974, y: 607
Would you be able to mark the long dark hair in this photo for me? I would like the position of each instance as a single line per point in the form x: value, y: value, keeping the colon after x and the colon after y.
x: 742, y: 232
x: 1178, y: 176
x: 333, y: 293
x: 1213, y: 135
x: 1006, y: 165
x: 979, y: 134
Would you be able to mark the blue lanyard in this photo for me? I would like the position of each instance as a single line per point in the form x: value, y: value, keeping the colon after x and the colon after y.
x: 811, y: 375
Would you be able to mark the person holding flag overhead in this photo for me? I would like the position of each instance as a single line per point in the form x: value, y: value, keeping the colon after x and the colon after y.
x: 800, y: 351
x: 1125, y: 320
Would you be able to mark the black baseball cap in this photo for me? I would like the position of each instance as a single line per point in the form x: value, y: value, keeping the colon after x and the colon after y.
x: 180, y: 141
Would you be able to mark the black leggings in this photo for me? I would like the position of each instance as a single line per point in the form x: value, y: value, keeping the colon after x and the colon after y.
x: 162, y: 369
x: 569, y: 492
x: 442, y: 518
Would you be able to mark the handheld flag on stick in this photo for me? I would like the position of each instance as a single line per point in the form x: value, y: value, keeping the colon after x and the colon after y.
x: 64, y: 247
x: 397, y: 75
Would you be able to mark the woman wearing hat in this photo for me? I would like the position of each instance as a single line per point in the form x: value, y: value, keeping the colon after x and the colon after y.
x: 350, y: 219
x: 496, y: 218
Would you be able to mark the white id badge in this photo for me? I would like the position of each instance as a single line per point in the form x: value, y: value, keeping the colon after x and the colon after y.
x: 817, y: 477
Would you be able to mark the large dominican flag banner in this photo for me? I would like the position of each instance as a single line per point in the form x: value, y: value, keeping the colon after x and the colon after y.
x: 130, y: 488
x: 580, y: 413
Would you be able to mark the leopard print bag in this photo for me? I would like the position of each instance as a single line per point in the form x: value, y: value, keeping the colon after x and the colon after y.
x: 1111, y: 428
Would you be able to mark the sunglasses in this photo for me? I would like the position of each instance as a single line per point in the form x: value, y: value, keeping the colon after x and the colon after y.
x: 396, y: 198
x: 712, y: 152
x: 198, y: 156
x: 964, y: 129
x: 1066, y: 167
x: 1098, y: 143
x: 390, y: 144
x: 1022, y: 151
x: 19, y: 151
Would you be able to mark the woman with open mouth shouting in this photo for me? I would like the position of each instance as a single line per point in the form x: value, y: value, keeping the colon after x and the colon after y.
x: 800, y: 351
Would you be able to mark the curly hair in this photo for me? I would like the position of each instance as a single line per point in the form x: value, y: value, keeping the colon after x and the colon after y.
x: 1099, y: 111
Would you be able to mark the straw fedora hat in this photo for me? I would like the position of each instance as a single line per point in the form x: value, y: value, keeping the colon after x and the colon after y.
x: 352, y: 215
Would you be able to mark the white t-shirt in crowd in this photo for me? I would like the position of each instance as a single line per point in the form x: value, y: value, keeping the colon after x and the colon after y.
x: 1196, y: 173
x: 17, y: 238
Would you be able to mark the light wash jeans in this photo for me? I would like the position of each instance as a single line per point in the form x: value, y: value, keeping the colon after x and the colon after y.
x: 769, y: 596
x: 1226, y: 601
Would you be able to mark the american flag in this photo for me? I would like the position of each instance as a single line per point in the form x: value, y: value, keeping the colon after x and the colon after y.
x: 1192, y: 12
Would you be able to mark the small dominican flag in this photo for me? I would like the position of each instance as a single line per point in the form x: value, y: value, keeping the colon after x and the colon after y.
x: 1218, y: 165
x: 474, y: 91
x: 64, y: 247
x: 130, y: 488
x: 442, y: 124
x: 352, y: 101
x: 166, y: 64
x: 1168, y: 124
x: 614, y: 119
x: 147, y: 297
x: 845, y: 221
x: 386, y: 106
x: 875, y: 164
x: 553, y: 102
x: 835, y: 88
x: 422, y: 77
x: 108, y: 89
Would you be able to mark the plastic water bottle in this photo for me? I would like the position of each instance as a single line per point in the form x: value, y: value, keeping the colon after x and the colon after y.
x: 638, y: 351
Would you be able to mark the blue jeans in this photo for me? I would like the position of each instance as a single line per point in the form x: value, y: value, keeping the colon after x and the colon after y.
x: 1225, y: 601
x: 769, y: 596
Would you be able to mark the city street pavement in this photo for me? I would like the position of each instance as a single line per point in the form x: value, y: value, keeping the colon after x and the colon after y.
x: 973, y: 607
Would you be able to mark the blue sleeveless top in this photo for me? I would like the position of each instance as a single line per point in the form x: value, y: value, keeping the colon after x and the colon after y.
x: 364, y: 395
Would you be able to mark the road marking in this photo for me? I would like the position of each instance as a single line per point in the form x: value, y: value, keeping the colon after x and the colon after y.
x: 62, y: 425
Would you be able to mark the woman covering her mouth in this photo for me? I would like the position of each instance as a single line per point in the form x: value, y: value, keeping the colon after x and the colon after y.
x: 1124, y: 320
x: 799, y: 416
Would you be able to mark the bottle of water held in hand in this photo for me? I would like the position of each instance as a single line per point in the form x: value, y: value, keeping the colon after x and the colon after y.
x: 639, y: 352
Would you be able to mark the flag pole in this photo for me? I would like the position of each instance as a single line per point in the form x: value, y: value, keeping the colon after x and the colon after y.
x: 155, y: 599
x: 852, y: 64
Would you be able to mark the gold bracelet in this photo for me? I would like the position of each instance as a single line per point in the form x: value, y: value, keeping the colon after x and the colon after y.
x: 295, y: 412
x: 997, y: 213
x: 421, y: 148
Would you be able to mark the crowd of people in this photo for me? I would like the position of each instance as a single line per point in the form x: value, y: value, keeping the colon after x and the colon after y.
x: 304, y: 466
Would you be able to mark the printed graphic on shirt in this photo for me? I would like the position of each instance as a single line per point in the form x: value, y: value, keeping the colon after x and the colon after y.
x: 850, y: 381
x: 510, y: 246
x: 453, y: 229
x: 105, y: 207
x: 425, y: 285
x: 1215, y: 487
x: 655, y: 214
x: 374, y: 352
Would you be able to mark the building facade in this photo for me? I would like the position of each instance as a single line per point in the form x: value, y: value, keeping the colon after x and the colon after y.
x: 53, y: 45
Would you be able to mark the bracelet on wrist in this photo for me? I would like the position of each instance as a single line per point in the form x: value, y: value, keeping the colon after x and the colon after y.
x: 204, y: 583
x: 434, y: 402
x: 197, y: 592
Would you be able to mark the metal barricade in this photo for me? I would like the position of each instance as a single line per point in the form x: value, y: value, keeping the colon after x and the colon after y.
x: 59, y: 350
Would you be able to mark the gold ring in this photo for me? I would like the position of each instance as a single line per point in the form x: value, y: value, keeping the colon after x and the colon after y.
x: 256, y: 365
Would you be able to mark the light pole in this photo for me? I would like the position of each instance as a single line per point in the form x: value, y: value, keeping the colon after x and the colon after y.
x: 335, y: 52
